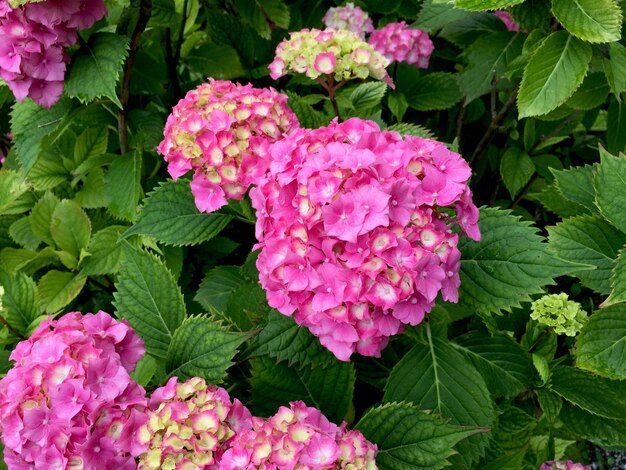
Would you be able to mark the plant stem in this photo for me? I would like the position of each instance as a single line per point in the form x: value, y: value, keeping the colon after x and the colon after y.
x: 10, y: 328
x: 331, y: 94
x: 145, y: 11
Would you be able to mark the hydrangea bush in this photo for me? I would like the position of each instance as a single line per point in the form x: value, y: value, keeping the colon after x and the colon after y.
x: 330, y: 235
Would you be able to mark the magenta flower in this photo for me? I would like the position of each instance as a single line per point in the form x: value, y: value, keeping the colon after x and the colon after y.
x: 567, y: 465
x: 399, y: 43
x: 508, y: 21
x: 349, y: 17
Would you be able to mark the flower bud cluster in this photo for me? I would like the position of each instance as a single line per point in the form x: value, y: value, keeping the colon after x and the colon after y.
x: 69, y: 401
x: 564, y: 316
x: 33, y: 38
x: 338, y: 53
x: 356, y: 233
x: 350, y: 18
x: 298, y: 437
x: 399, y: 43
x: 567, y: 465
x: 221, y: 131
x: 188, y: 426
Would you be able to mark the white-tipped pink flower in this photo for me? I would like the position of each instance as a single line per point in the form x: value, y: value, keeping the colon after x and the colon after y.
x: 349, y: 17
x: 399, y: 43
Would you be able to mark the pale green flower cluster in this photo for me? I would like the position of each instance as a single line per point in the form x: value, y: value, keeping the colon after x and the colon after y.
x: 564, y: 316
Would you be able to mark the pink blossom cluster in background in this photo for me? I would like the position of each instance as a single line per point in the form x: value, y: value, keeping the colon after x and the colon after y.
x: 349, y: 17
x: 506, y: 18
x: 189, y: 425
x: 567, y: 465
x: 298, y: 437
x: 222, y: 131
x: 340, y: 53
x: 353, y: 240
x: 69, y: 401
x: 399, y: 43
x: 33, y: 38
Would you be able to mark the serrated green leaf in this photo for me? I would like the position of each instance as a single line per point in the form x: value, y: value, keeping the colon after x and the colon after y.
x: 483, y: 5
x: 145, y: 370
x: 437, y: 90
x: 149, y: 298
x: 397, y: 105
x: 329, y: 389
x: 170, y: 216
x: 436, y: 376
x: 590, y: 20
x: 509, y: 461
x: 367, y: 95
x: 589, y: 240
x: 616, y: 127
x: 93, y: 194
x: 105, y: 252
x: 503, y: 363
x: 70, y: 227
x: 56, y: 289
x: 542, y: 366
x: 19, y: 303
x: 123, y: 185
x: 618, y: 281
x: 409, y: 438
x: 246, y: 306
x: 203, y: 348
x: 601, y: 345
x: 91, y: 143
x: 41, y: 216
x: 610, y: 185
x: 603, y: 432
x: 217, y: 287
x: 405, y: 128
x: 615, y: 68
x: 550, y: 404
x: 516, y: 169
x: 218, y: 61
x: 552, y: 199
x: 514, y: 428
x: 307, y: 116
x: 576, y: 185
x: 509, y: 264
x: 592, y: 92
x: 96, y: 68
x: 257, y: 13
x: 14, y: 260
x: 284, y: 340
x: 12, y: 186
x: 467, y: 30
x: 433, y: 16
x: 22, y: 232
x: 553, y: 73
x: 589, y: 392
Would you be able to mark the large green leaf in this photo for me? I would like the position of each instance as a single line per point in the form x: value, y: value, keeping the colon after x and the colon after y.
x: 438, y: 90
x: 367, y: 95
x: 329, y: 389
x: 409, y: 438
x: 610, y: 185
x: 97, y: 67
x: 516, y: 169
x: 590, y: 240
x: 593, y: 91
x: 218, y: 286
x: 615, y: 68
x: 170, y: 215
x: 56, y: 289
x: 436, y: 376
x: 554, y: 72
x: 123, y: 185
x: 601, y: 431
x: 149, y: 298
x: 218, y: 61
x: 590, y: 20
x: 590, y: 392
x: 508, y: 265
x: 201, y: 347
x: 19, y: 303
x: 601, y: 345
x: 12, y: 186
x: 105, y: 252
x: 618, y: 281
x: 576, y: 184
x: 483, y: 5
x: 70, y: 228
x: 259, y: 13
x: 503, y: 363
x: 433, y: 15
x: 41, y: 217
x: 616, y: 127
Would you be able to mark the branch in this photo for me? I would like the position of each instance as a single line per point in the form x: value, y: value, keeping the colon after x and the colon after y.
x: 145, y: 11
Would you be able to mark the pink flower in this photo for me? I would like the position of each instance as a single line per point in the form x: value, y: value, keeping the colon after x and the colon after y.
x: 567, y: 465
x: 506, y: 18
x: 349, y: 17
x: 399, y: 43
x: 325, y: 62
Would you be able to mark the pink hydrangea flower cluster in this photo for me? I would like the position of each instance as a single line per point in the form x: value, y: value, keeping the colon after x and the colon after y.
x: 33, y: 38
x: 349, y: 17
x: 568, y: 465
x: 399, y: 43
x: 340, y: 53
x: 69, y: 401
x: 355, y: 229
x: 298, y: 437
x: 222, y: 131
x: 508, y: 21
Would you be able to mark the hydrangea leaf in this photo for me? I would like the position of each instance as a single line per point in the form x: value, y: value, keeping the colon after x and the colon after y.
x: 553, y: 74
x: 601, y: 345
x: 149, y: 298
x: 70, y: 227
x: 576, y: 185
x: 434, y: 16
x: 56, y: 289
x: 258, y: 14
x: 123, y: 185
x: 12, y: 186
x: 438, y: 90
x: 105, y: 252
x: 618, y: 281
x: 329, y: 388
x: 610, y: 185
x: 218, y: 61
x: 590, y: 20
x: 615, y: 68
x: 203, y: 348
x: 96, y: 68
x: 590, y: 240
x: 516, y: 169
x: 601, y: 431
x: 22, y: 232
x: 593, y: 91
x: 409, y: 438
x: 218, y: 286
x: 484, y: 5
x: 19, y: 303
x: 366, y: 96
x: 508, y: 265
x: 616, y: 127
x: 170, y: 215
x: 437, y: 376
x: 406, y: 128
x: 246, y: 307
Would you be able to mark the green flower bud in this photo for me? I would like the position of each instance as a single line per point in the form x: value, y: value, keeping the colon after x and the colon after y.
x: 564, y: 316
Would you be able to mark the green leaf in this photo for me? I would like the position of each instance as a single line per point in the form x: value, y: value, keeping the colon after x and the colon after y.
x: 14, y: 260
x: 590, y: 240
x: 576, y: 184
x: 542, y: 366
x: 96, y: 68
x: 509, y: 264
x: 397, y: 105
x: 56, y: 289
x: 601, y: 431
x: 367, y: 95
x: 329, y: 389
x: 601, y: 345
x: 122, y: 185
x: 144, y: 371
x: 435, y: 16
x: 409, y: 438
x: 41, y: 217
x: 307, y: 116
x: 483, y: 5
x: 405, y: 128
x: 514, y: 428
x: 503, y: 363
x: 438, y: 90
x: 550, y: 403
x: 105, y: 252
x: 149, y: 298
x: 616, y: 127
x: 19, y: 303
x: 170, y: 216
x: 90, y: 144
x: 257, y: 13
x: 618, y: 281
x: 283, y: 339
x: 590, y: 20
x: 488, y: 58
x: 588, y: 391
x: 70, y: 227
x: 246, y: 306
x: 22, y: 232
x: 218, y: 61
x: 201, y: 347
x: 615, y: 68
x: 436, y: 376
x: 12, y: 186
x: 592, y: 93
x: 610, y: 185
x: 218, y: 286
x: 554, y: 72
x: 516, y: 169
